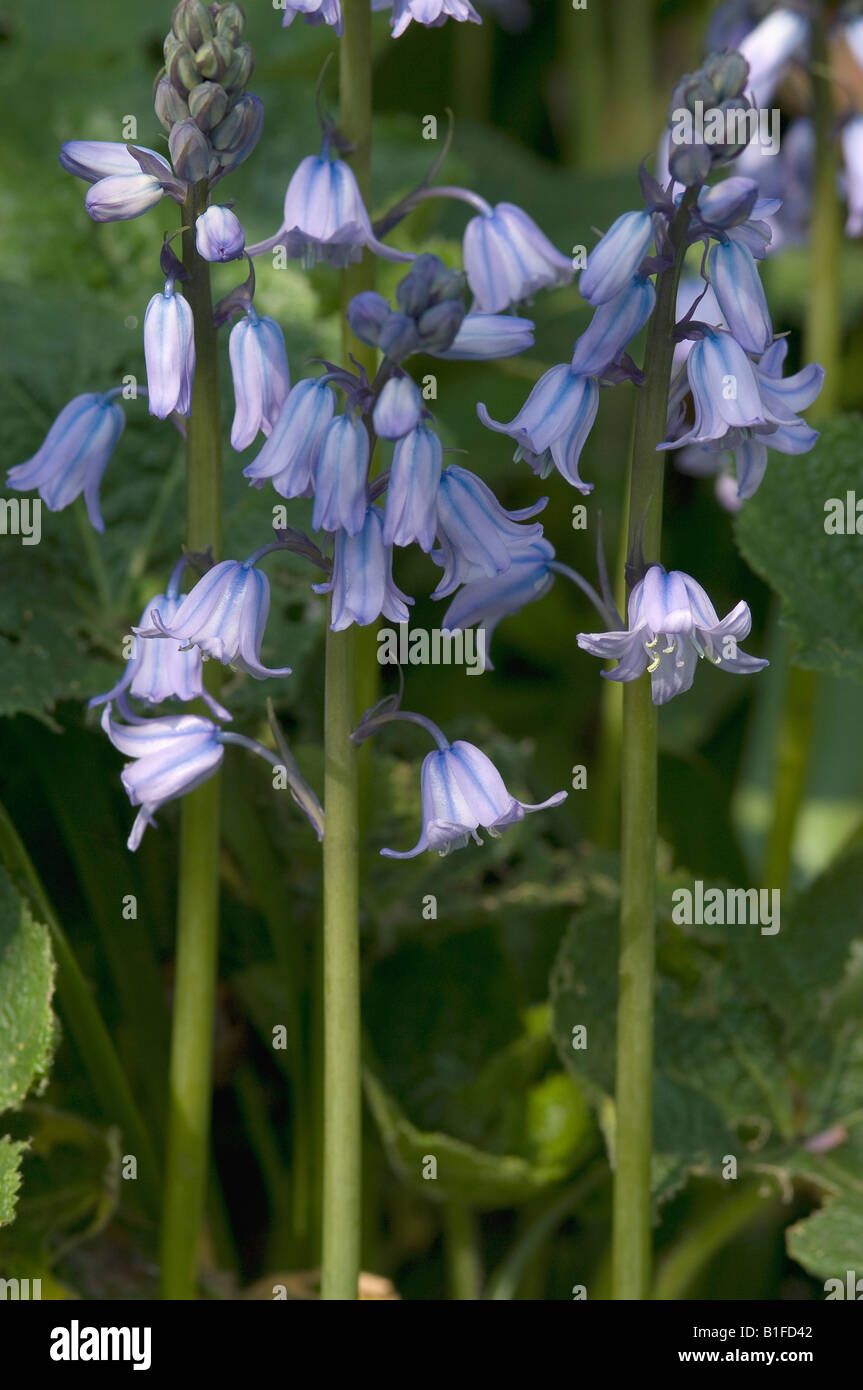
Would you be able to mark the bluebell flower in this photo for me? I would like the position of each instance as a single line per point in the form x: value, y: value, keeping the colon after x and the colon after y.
x: 411, y: 508
x: 508, y: 258
x: 290, y: 456
x: 362, y: 585
x: 325, y: 218
x: 431, y: 13
x: 169, y: 351
x: 672, y: 624
x: 463, y: 792
x: 724, y: 389
x: 725, y: 204
x: 616, y: 257
x: 477, y: 535
x: 315, y: 12
x: 122, y: 196
x: 486, y: 337
x: 225, y: 615
x: 99, y: 159
x: 121, y: 189
x: 769, y: 48
x: 485, y: 602
x: 398, y: 408
x: 740, y: 295
x: 158, y: 669
x: 340, y: 476
x: 261, y: 376
x: 219, y: 234
x: 173, y: 755
x: 554, y: 422
x: 74, y: 454
x: 613, y: 325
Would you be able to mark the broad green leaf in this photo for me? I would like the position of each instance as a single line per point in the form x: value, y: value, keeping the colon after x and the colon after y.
x: 26, y: 990
x: 482, y: 1179
x: 819, y: 576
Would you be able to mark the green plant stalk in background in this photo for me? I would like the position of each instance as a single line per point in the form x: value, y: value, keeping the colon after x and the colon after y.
x: 631, y: 1243
x: 190, y: 1084
x: 342, y: 1101
x: 823, y: 344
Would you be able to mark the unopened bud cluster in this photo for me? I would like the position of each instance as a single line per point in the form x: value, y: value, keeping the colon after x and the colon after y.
x: 430, y: 313
x: 200, y: 95
x: 716, y: 87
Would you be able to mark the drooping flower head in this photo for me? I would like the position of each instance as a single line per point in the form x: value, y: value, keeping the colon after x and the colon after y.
x: 261, y: 376
x: 553, y: 424
x: 290, y: 456
x: 74, y: 454
x: 169, y: 351
x: 463, y: 792
x: 507, y: 258
x: 673, y: 624
x: 485, y: 602
x: 411, y: 507
x: 477, y: 535
x: 173, y: 755
x: 219, y: 234
x: 225, y: 615
x: 362, y: 584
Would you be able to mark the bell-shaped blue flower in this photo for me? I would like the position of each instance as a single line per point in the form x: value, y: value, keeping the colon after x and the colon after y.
x: 398, y: 408
x: 225, y: 615
x: 740, y: 295
x: 325, y: 218
x: 485, y: 338
x: 219, y: 234
x: 99, y: 159
x: 463, y: 792
x: 727, y: 203
x: 315, y: 12
x: 431, y: 13
x: 169, y: 351
x: 508, y: 258
x: 290, y: 456
x: 613, y: 325
x: 672, y: 624
x: 173, y: 755
x: 74, y: 454
x: 411, y: 509
x: 476, y: 533
x: 261, y: 376
x: 485, y: 602
x: 158, y: 669
x: 724, y: 391
x: 340, y: 476
x: 554, y: 423
x: 362, y: 585
x: 616, y: 257
x: 122, y: 196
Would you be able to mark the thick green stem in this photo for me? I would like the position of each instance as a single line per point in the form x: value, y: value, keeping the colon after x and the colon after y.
x: 462, y: 1251
x: 634, y: 1098
x: 190, y: 1084
x: 823, y: 344
x: 703, y: 1238
x: 342, y: 1100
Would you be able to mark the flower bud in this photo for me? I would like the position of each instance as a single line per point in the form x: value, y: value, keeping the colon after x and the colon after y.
x: 119, y: 197
x: 691, y: 88
x: 208, y: 104
x: 191, y: 23
x: 239, y: 69
x: 249, y: 114
x: 213, y: 58
x: 180, y: 69
x: 689, y: 164
x: 414, y: 293
x: 398, y: 408
x: 367, y: 315
x: 190, y: 152
x: 230, y: 23
x: 399, y: 336
x: 219, y: 235
x: 169, y: 105
x: 439, y: 325
x: 727, y: 73
x: 169, y: 351
x: 728, y: 203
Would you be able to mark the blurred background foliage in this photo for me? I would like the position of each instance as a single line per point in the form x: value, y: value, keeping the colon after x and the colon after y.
x: 469, y: 1016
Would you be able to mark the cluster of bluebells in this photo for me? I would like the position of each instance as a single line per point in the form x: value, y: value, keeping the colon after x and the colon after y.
x: 321, y: 433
